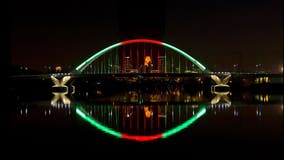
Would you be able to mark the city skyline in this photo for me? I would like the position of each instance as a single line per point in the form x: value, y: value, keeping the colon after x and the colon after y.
x: 219, y: 34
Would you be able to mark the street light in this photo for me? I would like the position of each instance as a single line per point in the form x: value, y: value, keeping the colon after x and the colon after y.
x: 257, y: 67
x: 127, y: 63
x: 235, y: 67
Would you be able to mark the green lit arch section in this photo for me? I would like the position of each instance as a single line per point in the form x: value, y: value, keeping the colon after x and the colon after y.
x: 84, y: 64
x: 82, y: 113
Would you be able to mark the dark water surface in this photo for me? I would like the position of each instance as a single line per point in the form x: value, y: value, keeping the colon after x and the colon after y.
x: 167, y: 119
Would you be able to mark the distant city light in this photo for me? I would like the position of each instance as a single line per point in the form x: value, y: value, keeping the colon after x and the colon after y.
x: 58, y: 68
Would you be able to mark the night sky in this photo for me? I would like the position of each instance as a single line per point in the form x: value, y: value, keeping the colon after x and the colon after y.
x: 218, y: 33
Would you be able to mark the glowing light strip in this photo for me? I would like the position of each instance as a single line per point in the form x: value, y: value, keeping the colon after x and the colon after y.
x: 83, y: 65
x: 184, y: 124
x: 202, y: 67
x: 166, y: 134
x: 142, y: 138
x: 98, y: 125
x: 141, y: 41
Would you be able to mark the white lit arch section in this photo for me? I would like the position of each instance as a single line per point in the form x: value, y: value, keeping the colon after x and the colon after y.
x: 83, y: 65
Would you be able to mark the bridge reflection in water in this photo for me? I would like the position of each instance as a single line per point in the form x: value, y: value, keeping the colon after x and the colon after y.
x: 140, y: 123
x: 176, y: 97
x: 145, y: 120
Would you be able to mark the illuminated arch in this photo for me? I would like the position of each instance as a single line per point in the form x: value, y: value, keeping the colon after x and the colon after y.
x: 141, y: 138
x: 83, y: 65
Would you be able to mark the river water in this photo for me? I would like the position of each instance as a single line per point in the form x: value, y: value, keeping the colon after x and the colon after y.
x: 175, y: 120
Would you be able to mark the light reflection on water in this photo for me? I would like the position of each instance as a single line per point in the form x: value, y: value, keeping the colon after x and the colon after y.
x: 147, y: 117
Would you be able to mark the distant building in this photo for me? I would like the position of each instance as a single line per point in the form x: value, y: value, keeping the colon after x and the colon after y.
x: 58, y: 68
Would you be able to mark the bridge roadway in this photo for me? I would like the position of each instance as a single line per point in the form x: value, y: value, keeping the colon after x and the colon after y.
x: 161, y: 75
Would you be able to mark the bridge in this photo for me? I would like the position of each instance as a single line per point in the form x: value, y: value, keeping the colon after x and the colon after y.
x: 150, y: 60
x: 146, y: 59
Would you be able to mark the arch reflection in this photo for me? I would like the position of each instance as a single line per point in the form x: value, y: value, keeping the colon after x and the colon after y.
x: 128, y: 122
x: 219, y: 96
